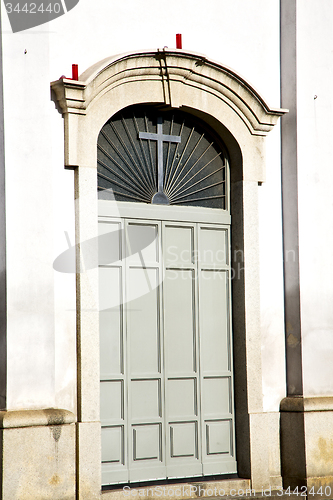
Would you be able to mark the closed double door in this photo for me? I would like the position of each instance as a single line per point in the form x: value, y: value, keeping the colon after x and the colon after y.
x: 165, y: 337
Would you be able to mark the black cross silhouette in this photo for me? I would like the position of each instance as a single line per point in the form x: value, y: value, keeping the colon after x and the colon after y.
x: 160, y: 197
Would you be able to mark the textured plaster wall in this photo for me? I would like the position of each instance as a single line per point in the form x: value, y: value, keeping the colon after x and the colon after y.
x: 271, y: 277
x: 30, y: 290
x: 315, y: 181
x: 39, y: 208
x: 240, y: 34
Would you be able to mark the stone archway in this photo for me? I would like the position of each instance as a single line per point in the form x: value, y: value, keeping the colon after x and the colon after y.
x: 241, y: 118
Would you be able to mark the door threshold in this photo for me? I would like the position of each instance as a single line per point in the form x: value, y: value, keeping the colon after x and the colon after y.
x: 192, y: 488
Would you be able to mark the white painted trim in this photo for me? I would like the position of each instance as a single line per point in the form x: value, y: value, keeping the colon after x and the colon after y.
x: 166, y: 213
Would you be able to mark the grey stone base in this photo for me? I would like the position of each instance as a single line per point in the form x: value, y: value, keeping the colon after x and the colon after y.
x: 37, y: 455
x: 307, y: 445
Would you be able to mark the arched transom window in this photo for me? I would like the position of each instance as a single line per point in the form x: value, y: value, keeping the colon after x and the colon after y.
x: 149, y: 155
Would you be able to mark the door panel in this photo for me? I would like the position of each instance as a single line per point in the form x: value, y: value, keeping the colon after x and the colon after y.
x: 218, y: 435
x: 215, y: 350
x: 145, y: 389
x: 179, y: 321
x: 166, y: 381
x: 112, y: 401
x: 146, y: 442
x: 214, y: 321
x: 110, y: 321
x: 112, y: 445
x: 182, y: 411
x: 214, y: 246
x: 143, y: 321
x: 182, y: 398
x: 113, y: 397
x: 178, y: 245
x: 184, y: 439
x: 142, y: 243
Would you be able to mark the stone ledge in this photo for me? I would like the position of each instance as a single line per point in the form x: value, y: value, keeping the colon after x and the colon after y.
x: 274, y: 495
x: 266, y: 494
x: 303, y: 404
x: 181, y: 491
x: 30, y: 418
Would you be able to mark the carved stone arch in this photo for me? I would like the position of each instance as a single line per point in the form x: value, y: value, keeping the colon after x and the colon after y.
x: 240, y: 116
x: 174, y: 78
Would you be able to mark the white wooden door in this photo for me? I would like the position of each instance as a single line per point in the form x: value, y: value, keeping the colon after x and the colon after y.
x: 165, y: 334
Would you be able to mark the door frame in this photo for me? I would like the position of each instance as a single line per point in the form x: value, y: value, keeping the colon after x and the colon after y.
x: 240, y: 116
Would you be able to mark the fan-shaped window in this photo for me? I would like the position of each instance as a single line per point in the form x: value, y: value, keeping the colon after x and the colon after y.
x: 166, y: 157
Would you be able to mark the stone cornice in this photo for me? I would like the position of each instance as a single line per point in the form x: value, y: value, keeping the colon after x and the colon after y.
x: 31, y: 418
x: 168, y: 68
x: 305, y: 404
x: 70, y: 95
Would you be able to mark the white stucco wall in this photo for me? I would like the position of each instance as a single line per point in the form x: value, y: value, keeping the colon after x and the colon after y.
x: 271, y: 277
x: 315, y: 180
x: 240, y: 34
x: 41, y: 366
x: 30, y: 295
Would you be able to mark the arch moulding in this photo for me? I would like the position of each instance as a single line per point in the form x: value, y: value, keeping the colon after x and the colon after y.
x: 236, y: 111
x: 170, y: 77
